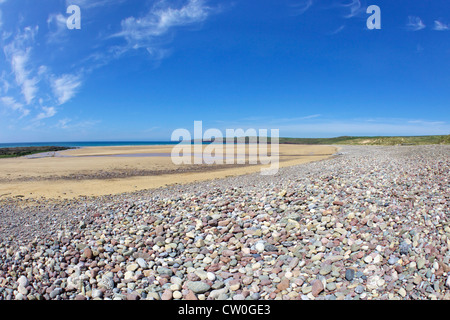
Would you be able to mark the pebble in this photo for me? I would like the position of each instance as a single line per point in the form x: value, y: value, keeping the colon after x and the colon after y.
x: 132, y: 267
x: 325, y: 270
x: 359, y: 289
x: 211, y: 276
x: 349, y: 274
x: 22, y: 281
x: 167, y: 295
x: 371, y: 222
x: 316, y: 287
x: 177, y: 295
x: 198, y: 286
x: 215, y: 294
x: 164, y: 271
x: 392, y: 260
x: 55, y: 293
x: 420, y: 263
x: 402, y: 292
x: 142, y: 263
x: 259, y: 247
x: 331, y: 286
x: 283, y: 284
x: 22, y: 290
x: 96, y: 293
x: 270, y: 247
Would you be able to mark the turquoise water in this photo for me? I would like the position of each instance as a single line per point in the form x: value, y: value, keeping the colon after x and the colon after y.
x: 86, y: 144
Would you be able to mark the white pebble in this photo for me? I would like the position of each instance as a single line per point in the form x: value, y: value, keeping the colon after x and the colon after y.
x: 211, y: 276
x: 22, y: 281
x: 259, y: 247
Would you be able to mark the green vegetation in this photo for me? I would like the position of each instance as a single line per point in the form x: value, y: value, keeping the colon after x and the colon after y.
x: 349, y: 140
x: 24, y: 151
x: 379, y: 140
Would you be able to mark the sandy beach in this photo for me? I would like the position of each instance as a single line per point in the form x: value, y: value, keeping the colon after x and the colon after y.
x: 95, y: 171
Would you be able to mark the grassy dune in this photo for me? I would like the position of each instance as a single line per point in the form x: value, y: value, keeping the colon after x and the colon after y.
x: 379, y: 140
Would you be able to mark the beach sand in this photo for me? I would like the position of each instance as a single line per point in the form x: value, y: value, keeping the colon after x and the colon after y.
x: 95, y: 171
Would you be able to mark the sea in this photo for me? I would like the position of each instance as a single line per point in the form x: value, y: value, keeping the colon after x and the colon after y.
x: 79, y: 144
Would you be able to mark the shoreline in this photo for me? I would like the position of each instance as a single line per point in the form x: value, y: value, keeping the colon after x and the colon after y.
x: 91, y: 171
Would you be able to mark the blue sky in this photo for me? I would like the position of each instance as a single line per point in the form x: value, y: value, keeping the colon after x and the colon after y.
x: 137, y: 70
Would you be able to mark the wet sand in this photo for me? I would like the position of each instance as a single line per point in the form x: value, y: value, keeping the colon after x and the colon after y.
x: 95, y: 171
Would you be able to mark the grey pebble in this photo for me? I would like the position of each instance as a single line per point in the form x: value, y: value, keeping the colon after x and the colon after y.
x: 349, y: 274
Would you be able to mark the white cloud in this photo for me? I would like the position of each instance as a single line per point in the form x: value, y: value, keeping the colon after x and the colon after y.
x: 65, y: 87
x: 47, y: 112
x: 5, y: 83
x: 415, y: 24
x: 18, y: 54
x: 301, y: 7
x: 57, y: 27
x: 295, y: 119
x: 439, y: 26
x: 63, y: 123
x: 11, y: 103
x: 355, y: 8
x: 19, y: 61
x: 141, y: 32
x: 151, y: 31
x: 87, y: 4
x: 69, y: 124
x: 338, y: 30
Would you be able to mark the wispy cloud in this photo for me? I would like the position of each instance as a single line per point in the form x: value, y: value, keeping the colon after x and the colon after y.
x: 146, y: 31
x: 88, y: 4
x: 363, y: 127
x: 70, y: 124
x: 415, y: 23
x: 5, y: 83
x: 11, y: 103
x: 17, y: 52
x: 19, y: 62
x: 337, y: 30
x: 354, y: 7
x: 152, y: 31
x: 322, y: 126
x: 301, y: 7
x: 63, y: 123
x: 57, y: 27
x: 65, y: 87
x: 30, y: 86
x: 265, y: 119
x: 295, y: 119
x: 47, y: 112
x: 440, y: 26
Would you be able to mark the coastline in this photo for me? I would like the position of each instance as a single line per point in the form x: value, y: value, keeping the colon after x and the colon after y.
x: 96, y: 171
